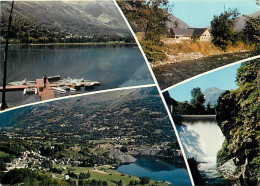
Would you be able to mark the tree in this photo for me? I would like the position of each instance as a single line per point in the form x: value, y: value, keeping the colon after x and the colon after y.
x: 120, y: 183
x: 150, y: 16
x: 46, y: 164
x: 84, y: 175
x: 144, y: 180
x: 198, y: 100
x: 2, y: 165
x: 252, y: 29
x: 222, y: 28
x: 209, y: 109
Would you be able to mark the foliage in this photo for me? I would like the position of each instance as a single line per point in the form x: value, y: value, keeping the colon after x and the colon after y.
x: 83, y: 175
x: 72, y: 174
x: 153, y: 51
x: 252, y: 29
x: 25, y: 31
x: 197, y: 100
x: 196, y: 105
x: 238, y: 117
x: 2, y: 165
x: 29, y: 177
x: 56, y: 170
x: 46, y: 164
x: 97, y: 159
x: 223, y: 154
x: 144, y: 180
x: 222, y: 28
x: 149, y: 17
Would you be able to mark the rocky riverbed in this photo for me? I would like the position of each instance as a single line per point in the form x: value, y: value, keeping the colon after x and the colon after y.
x: 176, y: 71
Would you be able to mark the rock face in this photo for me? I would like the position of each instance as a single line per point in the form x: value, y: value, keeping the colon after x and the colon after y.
x: 238, y: 117
x: 228, y: 169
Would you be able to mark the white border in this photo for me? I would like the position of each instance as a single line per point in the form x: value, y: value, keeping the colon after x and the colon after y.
x: 208, y: 72
x: 160, y: 92
x: 78, y: 95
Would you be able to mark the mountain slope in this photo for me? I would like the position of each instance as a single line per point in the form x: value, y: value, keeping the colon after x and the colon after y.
x: 135, y: 113
x: 171, y: 23
x: 240, y: 24
x: 79, y: 17
x: 212, y: 94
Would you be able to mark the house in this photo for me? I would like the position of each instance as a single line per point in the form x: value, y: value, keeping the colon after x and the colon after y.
x: 181, y: 33
x: 201, y: 34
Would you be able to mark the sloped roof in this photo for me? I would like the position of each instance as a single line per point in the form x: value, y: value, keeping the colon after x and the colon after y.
x: 197, y: 32
x: 188, y: 32
x: 182, y: 31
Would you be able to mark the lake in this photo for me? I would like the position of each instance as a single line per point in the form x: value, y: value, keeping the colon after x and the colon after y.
x: 158, y: 169
x: 202, y: 139
x: 113, y: 66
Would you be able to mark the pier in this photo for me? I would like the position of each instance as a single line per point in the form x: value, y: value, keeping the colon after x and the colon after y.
x: 44, y: 92
x: 47, y: 92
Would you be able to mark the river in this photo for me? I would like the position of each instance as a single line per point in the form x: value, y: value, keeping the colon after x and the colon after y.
x: 113, y: 66
x: 159, y: 169
x: 174, y: 73
x: 202, y: 139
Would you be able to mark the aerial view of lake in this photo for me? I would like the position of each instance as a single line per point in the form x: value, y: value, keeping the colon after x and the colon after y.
x: 113, y: 66
x: 174, y: 173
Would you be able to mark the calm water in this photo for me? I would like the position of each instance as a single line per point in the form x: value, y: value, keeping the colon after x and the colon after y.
x: 112, y: 65
x: 156, y: 169
x: 202, y: 139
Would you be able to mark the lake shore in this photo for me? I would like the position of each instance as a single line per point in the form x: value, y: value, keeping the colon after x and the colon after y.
x: 57, y: 44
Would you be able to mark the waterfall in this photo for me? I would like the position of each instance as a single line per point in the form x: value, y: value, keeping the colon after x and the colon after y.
x: 202, y: 140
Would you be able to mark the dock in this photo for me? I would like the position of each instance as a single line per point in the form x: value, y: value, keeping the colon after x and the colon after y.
x: 47, y: 92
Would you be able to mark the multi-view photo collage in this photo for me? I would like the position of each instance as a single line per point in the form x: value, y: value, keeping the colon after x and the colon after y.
x: 124, y: 92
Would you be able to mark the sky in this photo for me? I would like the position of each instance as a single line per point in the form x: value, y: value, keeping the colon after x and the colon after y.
x: 199, y: 13
x: 222, y: 79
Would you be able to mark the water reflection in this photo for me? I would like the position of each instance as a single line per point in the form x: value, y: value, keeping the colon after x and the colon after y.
x: 112, y: 65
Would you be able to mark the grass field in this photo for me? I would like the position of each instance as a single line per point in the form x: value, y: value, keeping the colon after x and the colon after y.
x: 103, y: 173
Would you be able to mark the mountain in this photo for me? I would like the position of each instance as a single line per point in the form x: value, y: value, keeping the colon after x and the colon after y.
x: 83, y: 18
x: 171, y: 22
x: 212, y: 94
x: 134, y: 113
x: 240, y: 24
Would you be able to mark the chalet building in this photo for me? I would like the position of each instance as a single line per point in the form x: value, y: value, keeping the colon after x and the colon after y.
x: 201, y: 34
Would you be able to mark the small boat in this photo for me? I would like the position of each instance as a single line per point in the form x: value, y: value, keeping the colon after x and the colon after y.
x: 54, y: 77
x: 72, y: 89
x: 67, y: 88
x: 89, y: 84
x: 30, y: 90
x: 59, y: 90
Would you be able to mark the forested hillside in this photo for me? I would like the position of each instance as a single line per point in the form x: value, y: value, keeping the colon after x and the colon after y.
x: 50, y: 22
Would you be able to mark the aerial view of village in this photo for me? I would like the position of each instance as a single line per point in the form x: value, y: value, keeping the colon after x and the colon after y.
x: 217, y: 118
x: 182, y: 39
x: 120, y: 137
x: 62, y: 48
